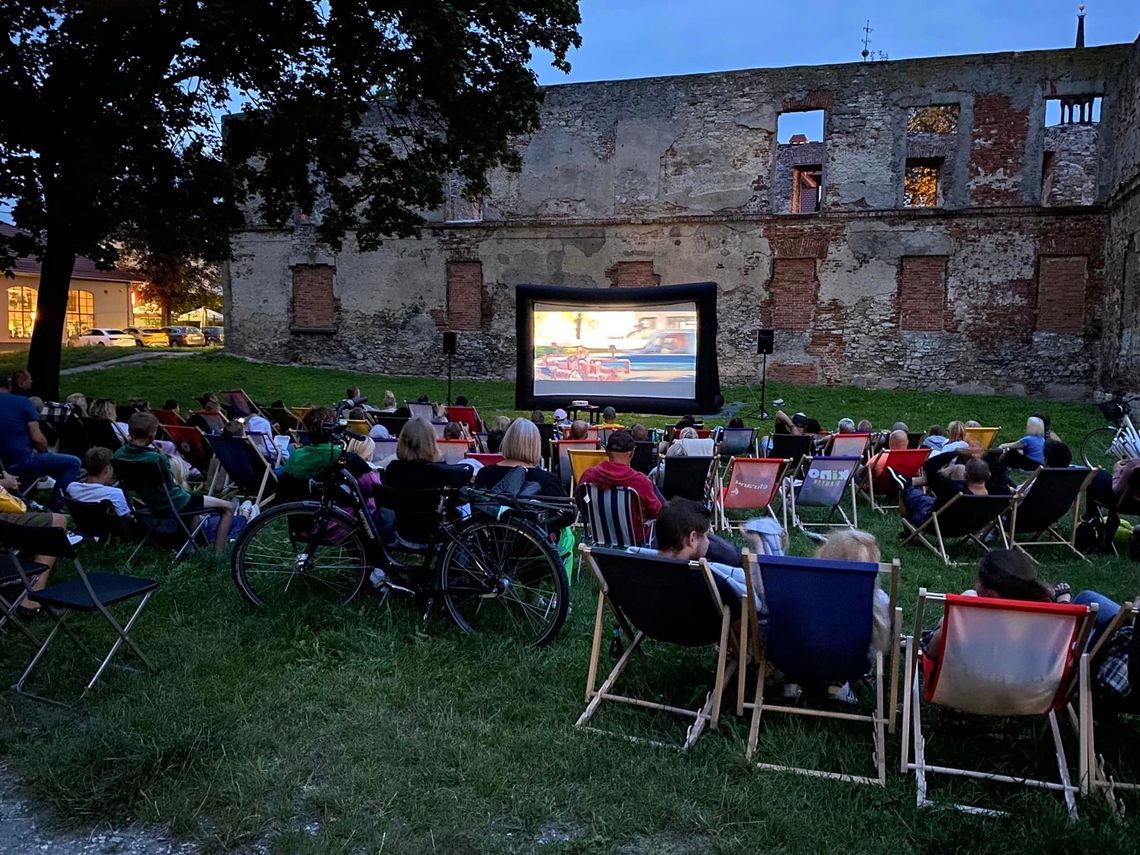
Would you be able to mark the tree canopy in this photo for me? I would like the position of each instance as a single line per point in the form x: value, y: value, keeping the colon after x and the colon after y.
x: 357, y: 110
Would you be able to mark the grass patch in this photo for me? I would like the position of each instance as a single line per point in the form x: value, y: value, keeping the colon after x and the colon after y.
x: 358, y: 729
x: 74, y: 357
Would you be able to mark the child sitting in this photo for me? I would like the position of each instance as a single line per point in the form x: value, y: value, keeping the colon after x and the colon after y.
x: 96, y: 482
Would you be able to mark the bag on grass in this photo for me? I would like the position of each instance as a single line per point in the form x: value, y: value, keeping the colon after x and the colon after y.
x: 1089, y: 534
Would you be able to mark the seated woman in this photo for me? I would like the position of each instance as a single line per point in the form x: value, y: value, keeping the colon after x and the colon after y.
x: 495, y: 435
x: 417, y: 465
x: 103, y: 409
x: 1029, y: 451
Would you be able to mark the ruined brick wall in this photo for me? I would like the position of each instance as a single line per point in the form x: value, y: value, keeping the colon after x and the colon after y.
x: 673, y: 180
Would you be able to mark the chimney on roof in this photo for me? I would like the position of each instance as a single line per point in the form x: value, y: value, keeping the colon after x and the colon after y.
x: 1081, y: 26
x: 798, y: 139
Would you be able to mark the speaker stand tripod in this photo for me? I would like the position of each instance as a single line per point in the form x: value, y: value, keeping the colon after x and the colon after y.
x: 450, y: 357
x: 762, y: 411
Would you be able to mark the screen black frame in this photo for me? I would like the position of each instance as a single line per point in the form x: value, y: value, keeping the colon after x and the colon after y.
x: 706, y: 397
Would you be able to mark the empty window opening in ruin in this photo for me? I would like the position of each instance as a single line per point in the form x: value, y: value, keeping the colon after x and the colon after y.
x: 922, y: 185
x: 800, y: 155
x: 1072, y: 110
x: 807, y: 187
x: 808, y: 124
x: 933, y: 119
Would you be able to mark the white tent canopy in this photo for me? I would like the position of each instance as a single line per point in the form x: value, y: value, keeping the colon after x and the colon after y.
x: 202, y: 316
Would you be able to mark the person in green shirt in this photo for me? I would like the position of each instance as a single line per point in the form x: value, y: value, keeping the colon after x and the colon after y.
x: 143, y: 428
x: 309, y: 461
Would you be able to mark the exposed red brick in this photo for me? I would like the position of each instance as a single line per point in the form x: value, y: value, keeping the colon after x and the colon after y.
x: 816, y: 99
x: 796, y: 373
x: 632, y: 274
x: 314, y: 305
x: 828, y: 340
x: 997, y: 152
x: 1061, y: 284
x: 464, y: 295
x: 922, y: 292
x: 793, y: 293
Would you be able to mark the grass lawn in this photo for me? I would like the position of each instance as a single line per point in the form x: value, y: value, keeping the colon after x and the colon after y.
x: 360, y: 730
x: 73, y: 357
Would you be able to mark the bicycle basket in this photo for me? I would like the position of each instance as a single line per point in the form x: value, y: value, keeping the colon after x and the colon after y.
x: 1113, y: 410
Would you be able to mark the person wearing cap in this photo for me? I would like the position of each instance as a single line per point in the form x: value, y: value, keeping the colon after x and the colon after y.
x: 795, y: 424
x: 561, y: 419
x: 615, y: 471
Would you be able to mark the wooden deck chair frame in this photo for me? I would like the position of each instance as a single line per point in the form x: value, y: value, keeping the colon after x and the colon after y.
x: 582, y: 459
x: 789, y: 498
x: 240, y: 404
x: 708, y: 714
x: 1058, y: 539
x: 984, y: 435
x: 933, y: 524
x: 907, y: 472
x: 912, y: 711
x: 882, y: 721
x: 267, y: 486
x: 735, y: 463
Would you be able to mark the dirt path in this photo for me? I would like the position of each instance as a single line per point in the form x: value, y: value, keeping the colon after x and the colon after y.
x: 124, y: 360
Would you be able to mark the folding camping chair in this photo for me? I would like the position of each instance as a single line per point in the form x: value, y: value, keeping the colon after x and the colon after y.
x: 964, y: 517
x: 239, y: 404
x: 688, y: 477
x: 751, y: 485
x: 98, y: 521
x: 736, y: 441
x: 1042, y: 502
x: 453, y: 450
x: 580, y: 461
x: 88, y: 592
x: 820, y: 630
x: 848, y: 444
x: 484, y: 459
x: 665, y: 600
x: 997, y: 658
x: 790, y: 446
x: 825, y: 481
x: 146, y: 477
x: 10, y: 577
x: 984, y: 435
x: 645, y: 457
x: 420, y: 410
x: 467, y: 416
x: 245, y: 472
x: 562, y: 449
x: 905, y: 462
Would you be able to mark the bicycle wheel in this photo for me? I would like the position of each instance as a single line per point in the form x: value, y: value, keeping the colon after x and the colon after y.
x: 299, y: 550
x: 504, y: 576
x: 1098, y: 448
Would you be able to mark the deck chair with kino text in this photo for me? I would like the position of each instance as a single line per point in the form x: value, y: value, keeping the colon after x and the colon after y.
x: 667, y: 601
x: 964, y: 518
x: 1042, y: 502
x: 998, y: 658
x: 826, y: 482
x: 751, y: 484
x: 820, y: 629
x: 87, y: 593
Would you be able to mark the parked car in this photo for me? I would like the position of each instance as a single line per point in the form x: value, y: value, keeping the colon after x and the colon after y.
x: 185, y: 336
x: 214, y: 335
x: 149, y: 337
x: 101, y: 338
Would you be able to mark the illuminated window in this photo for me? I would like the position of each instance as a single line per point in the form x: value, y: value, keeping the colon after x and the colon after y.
x: 80, y: 312
x: 21, y: 311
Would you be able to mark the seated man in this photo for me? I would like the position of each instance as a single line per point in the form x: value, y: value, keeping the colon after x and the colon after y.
x: 97, y: 482
x: 24, y: 448
x: 143, y: 427
x: 579, y: 430
x: 616, y: 472
x: 944, y: 483
x: 609, y: 418
x: 896, y: 441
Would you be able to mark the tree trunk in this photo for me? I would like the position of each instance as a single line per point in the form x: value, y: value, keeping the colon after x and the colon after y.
x: 51, y: 313
x: 164, y: 307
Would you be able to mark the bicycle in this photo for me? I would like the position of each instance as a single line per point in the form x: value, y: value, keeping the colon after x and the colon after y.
x: 1104, y: 446
x: 494, y: 570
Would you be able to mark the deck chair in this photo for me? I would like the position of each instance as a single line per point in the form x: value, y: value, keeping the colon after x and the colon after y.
x: 245, y: 472
x: 360, y: 426
x: 688, y: 477
x: 98, y: 522
x: 645, y: 457
x: 984, y: 435
x: 790, y: 446
x: 848, y: 444
x: 239, y: 404
x: 580, y: 461
x: 735, y: 442
x: 879, y: 485
x: 140, y: 477
x: 453, y: 450
x: 420, y: 410
x: 299, y: 413
x: 1039, y: 504
x: 546, y: 435
x: 394, y: 424
x: 168, y: 417
x: 384, y: 449
x: 191, y: 444
x: 101, y: 432
x: 750, y: 485
x: 484, y: 459
x: 562, y: 448
x: 820, y: 630
x: 965, y: 518
x: 663, y: 600
x: 699, y: 447
x: 465, y: 415
x: 914, y: 438
x: 282, y: 417
x: 998, y: 658
x: 438, y: 428
x: 216, y: 422
x: 826, y: 480
x: 87, y: 593
x: 611, y: 515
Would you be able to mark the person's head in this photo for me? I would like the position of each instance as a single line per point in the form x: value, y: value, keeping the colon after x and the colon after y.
x: 956, y: 431
x: 864, y: 426
x: 461, y: 401
x: 234, y: 427
x: 171, y: 405
x: 453, y: 431
x: 1011, y: 575
x: 676, y: 449
x: 142, y: 428
x: 845, y: 426
x: 1034, y: 426
x: 639, y: 432
x: 609, y: 415
x: 812, y: 426
x: 683, y: 529
x: 357, y: 414
x: 102, y: 409
x: 1057, y: 454
x: 799, y: 423
x: 736, y: 422
x: 78, y: 403
x: 21, y: 379
x: 850, y: 544
x: 210, y: 403
x: 36, y: 401
x: 620, y: 447
x: 897, y: 440
x: 417, y: 442
x: 538, y: 417
x: 352, y: 393
x: 501, y: 424
x: 316, y: 423
x: 579, y: 429
x: 378, y: 432
x: 977, y: 471
x: 973, y: 423
x: 362, y: 448
x: 560, y: 415
x: 522, y: 442
x: 688, y: 433
x: 900, y: 426
x: 389, y: 402
x: 97, y: 465
x: 935, y: 430
x: 684, y: 422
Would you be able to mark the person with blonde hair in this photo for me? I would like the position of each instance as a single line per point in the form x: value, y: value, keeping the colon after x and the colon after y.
x: 417, y: 465
x: 388, y: 404
x: 522, y: 448
x: 1029, y: 451
x: 78, y: 403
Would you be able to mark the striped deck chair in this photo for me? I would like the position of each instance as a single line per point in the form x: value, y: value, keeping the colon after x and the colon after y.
x: 964, y: 518
x: 662, y: 600
x: 452, y: 450
x: 997, y: 658
x: 984, y: 435
x: 821, y: 618
x: 1039, y: 504
x: 879, y: 485
x: 750, y: 485
x: 611, y: 516
x: 826, y: 480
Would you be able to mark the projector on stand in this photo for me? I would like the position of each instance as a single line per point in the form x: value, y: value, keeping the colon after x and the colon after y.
x: 580, y: 404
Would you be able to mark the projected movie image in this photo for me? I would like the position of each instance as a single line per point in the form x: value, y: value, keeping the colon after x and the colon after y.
x: 648, y: 351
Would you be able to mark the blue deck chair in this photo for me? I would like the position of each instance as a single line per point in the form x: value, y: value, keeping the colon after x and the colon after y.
x: 826, y: 480
x: 687, y: 477
x: 664, y: 600
x: 246, y: 472
x: 820, y: 631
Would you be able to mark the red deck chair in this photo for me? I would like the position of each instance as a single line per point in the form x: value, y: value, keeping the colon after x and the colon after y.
x: 467, y: 416
x: 485, y: 459
x: 750, y: 485
x: 191, y: 444
x: 168, y: 417
x: 879, y: 484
